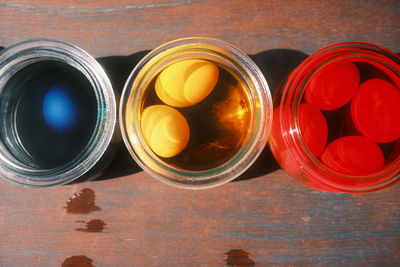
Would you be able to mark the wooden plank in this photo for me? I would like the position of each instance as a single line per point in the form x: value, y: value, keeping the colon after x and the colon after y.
x: 275, y: 219
x: 266, y: 218
x: 120, y: 27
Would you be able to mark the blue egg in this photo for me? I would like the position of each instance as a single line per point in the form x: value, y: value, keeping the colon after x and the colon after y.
x: 59, y: 109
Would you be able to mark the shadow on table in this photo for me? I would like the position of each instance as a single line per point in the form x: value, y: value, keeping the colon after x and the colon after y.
x: 117, y: 161
x: 118, y: 69
x: 275, y: 64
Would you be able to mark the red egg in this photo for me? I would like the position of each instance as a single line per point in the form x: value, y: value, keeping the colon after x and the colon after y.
x: 353, y: 155
x: 313, y: 128
x: 375, y: 110
x: 333, y: 85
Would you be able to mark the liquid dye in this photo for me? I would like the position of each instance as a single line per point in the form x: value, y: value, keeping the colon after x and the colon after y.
x: 348, y: 138
x: 218, y: 119
x: 51, y: 114
x: 195, y: 113
x: 366, y: 116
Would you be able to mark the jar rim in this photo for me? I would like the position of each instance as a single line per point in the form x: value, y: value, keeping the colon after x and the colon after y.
x: 292, y: 94
x: 166, y: 173
x: 13, y: 59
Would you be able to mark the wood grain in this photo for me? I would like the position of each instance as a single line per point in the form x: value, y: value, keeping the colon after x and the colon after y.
x: 274, y: 219
x: 120, y: 27
x: 277, y: 220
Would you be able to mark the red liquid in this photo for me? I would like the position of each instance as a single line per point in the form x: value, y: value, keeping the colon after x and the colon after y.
x: 348, y: 118
x: 373, y: 112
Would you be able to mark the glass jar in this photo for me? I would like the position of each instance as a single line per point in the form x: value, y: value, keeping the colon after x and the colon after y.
x: 336, y: 123
x: 58, y: 113
x: 228, y: 128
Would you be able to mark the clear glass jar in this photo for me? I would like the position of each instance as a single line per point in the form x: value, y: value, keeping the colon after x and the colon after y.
x: 322, y: 135
x: 22, y: 64
x: 231, y: 62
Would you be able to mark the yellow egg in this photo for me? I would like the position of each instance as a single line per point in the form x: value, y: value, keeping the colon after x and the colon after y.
x: 165, y: 130
x: 186, y: 82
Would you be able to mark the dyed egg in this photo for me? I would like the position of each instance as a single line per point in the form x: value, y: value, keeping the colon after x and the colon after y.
x: 353, y: 155
x: 313, y: 127
x: 375, y: 110
x: 186, y: 82
x: 333, y: 85
x: 165, y: 130
x: 59, y: 109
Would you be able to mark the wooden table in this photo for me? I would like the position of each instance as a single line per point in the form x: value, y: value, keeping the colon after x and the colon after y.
x: 264, y: 219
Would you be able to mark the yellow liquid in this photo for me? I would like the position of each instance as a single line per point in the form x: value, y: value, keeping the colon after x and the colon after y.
x: 219, y: 125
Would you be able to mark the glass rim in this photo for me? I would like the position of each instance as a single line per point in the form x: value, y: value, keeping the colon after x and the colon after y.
x: 19, y: 55
x: 291, y: 99
x: 241, y: 161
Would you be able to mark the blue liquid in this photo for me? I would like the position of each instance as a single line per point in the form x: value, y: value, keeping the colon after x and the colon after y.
x: 54, y: 113
x: 59, y: 110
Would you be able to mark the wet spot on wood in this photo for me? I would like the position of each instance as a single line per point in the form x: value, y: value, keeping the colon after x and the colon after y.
x: 239, y: 258
x: 82, y: 202
x: 93, y: 226
x: 78, y: 261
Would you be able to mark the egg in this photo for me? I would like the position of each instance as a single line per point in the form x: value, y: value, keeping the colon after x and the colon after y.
x: 353, y: 155
x: 375, y: 110
x: 313, y: 128
x: 186, y: 82
x: 165, y: 130
x: 59, y: 109
x: 333, y: 85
